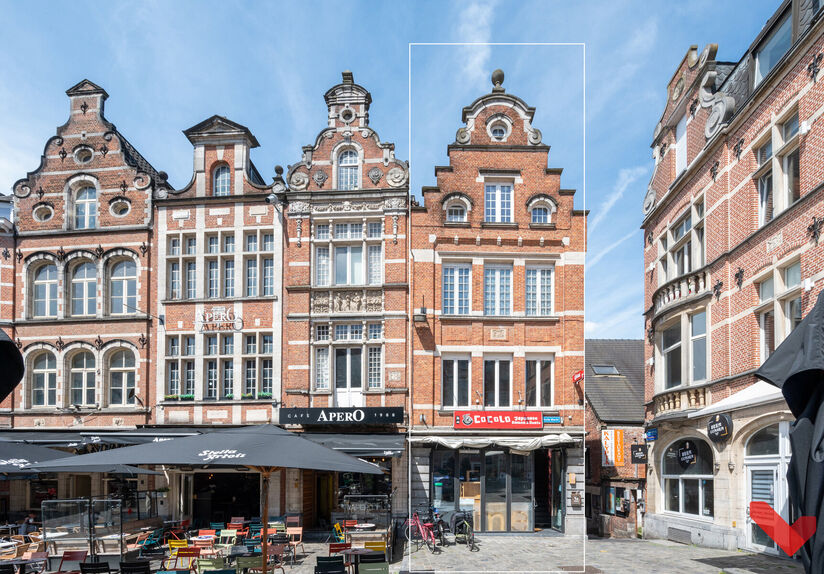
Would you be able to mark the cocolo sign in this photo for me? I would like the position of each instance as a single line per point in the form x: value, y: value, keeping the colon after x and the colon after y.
x: 719, y: 428
x: 342, y: 415
x: 497, y: 420
x: 218, y: 319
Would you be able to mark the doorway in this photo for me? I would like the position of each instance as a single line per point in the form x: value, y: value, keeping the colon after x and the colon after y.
x: 220, y: 495
x: 543, y: 517
x: 348, y: 377
x: 82, y: 486
x: 557, y: 497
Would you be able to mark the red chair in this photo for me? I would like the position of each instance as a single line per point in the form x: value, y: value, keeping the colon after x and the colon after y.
x: 238, y: 526
x: 349, y: 524
x: 207, y: 532
x: 72, y: 556
x: 338, y: 547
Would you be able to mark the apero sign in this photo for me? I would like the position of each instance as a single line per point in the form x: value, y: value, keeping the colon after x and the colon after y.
x: 469, y: 420
x: 218, y: 319
x: 342, y: 415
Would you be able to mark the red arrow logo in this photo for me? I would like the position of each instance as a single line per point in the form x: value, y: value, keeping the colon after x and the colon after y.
x: 789, y: 538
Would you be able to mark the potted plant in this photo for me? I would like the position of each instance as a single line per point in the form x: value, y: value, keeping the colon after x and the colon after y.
x: 248, y: 396
x: 264, y: 395
x: 187, y: 397
x: 171, y: 397
x: 228, y: 396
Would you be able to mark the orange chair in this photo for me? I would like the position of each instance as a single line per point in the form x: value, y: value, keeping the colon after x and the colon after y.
x: 206, y: 532
x: 238, y: 528
x: 72, y: 556
x: 295, y: 535
x: 349, y: 524
x: 206, y: 547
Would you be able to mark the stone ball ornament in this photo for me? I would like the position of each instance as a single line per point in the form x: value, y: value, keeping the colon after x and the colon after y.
x: 497, y: 78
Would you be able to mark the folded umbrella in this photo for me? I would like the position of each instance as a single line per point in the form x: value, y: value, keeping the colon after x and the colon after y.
x: 12, y: 360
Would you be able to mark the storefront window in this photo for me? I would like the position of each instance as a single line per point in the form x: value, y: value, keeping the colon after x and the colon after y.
x: 688, y: 480
x: 469, y: 475
x: 495, y: 467
x: 443, y: 480
x: 616, y: 500
x: 520, y: 516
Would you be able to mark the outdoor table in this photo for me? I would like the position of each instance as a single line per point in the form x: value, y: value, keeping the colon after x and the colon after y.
x: 356, y: 553
x: 365, y: 526
x: 23, y: 562
x: 10, y: 528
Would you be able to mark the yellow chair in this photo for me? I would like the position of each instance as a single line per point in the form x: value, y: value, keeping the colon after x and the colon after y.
x: 375, y: 545
x: 175, y: 545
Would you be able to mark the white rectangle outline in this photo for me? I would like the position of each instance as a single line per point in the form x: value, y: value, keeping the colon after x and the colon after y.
x: 584, y: 181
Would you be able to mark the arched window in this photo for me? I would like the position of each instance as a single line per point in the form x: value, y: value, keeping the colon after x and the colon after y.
x: 84, y: 289
x: 121, y: 378
x: 124, y: 288
x: 222, y: 181
x: 455, y: 214
x: 687, y: 474
x: 45, y: 291
x: 348, y: 170
x: 764, y: 442
x: 85, y: 208
x: 540, y: 215
x: 44, y: 380
x: 82, y: 379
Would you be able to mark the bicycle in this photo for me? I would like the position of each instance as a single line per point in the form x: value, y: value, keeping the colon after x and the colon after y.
x: 419, y: 532
x: 464, y: 534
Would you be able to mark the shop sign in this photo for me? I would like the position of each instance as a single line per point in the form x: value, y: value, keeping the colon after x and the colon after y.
x: 218, y: 319
x: 638, y: 453
x: 342, y: 415
x: 468, y: 420
x: 578, y: 376
x: 612, y: 447
x: 651, y: 434
x: 719, y: 428
x: 550, y: 420
x: 686, y: 455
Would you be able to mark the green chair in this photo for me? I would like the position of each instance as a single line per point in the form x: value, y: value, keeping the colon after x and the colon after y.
x: 204, y: 564
x: 228, y: 538
x: 253, y: 564
x: 380, y: 568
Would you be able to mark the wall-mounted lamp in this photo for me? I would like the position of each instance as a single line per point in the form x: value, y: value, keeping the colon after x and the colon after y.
x: 731, y: 466
x: 717, y: 466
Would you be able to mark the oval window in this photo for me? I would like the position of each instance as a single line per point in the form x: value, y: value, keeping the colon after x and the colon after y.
x: 347, y: 115
x: 83, y: 155
x: 43, y: 212
x: 120, y: 207
x: 498, y: 132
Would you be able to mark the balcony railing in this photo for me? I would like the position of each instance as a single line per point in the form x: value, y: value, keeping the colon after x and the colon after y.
x: 680, y: 399
x: 681, y: 289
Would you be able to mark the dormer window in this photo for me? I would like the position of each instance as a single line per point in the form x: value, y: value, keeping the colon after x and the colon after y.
x: 222, y: 181
x: 456, y: 214
x: 540, y: 208
x: 498, y: 127
x: 540, y: 215
x: 348, y: 170
x: 85, y: 208
x: 773, y: 48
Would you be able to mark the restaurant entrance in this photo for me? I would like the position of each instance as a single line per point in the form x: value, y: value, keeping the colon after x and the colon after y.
x: 218, y: 496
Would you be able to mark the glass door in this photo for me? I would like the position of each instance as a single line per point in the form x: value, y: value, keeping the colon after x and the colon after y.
x: 557, y: 497
x: 469, y: 485
x: 348, y: 377
x: 520, y: 508
x: 761, y: 486
x: 495, y: 507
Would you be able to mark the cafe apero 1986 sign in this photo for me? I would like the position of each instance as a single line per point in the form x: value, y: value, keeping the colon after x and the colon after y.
x: 218, y: 319
x: 468, y: 420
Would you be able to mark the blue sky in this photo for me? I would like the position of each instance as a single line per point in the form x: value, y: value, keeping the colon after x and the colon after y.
x: 169, y: 65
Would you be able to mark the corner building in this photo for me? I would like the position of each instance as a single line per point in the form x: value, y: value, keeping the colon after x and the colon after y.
x: 345, y: 313
x: 733, y: 261
x: 498, y: 266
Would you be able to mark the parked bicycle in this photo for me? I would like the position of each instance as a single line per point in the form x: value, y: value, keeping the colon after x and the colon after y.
x: 419, y: 532
x: 462, y: 527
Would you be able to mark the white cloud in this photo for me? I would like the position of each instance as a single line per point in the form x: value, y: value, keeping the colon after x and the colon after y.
x: 475, y: 26
x: 626, y: 177
x: 592, y: 261
x: 627, y: 323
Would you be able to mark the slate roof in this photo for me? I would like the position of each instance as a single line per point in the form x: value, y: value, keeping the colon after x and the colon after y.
x: 616, y: 398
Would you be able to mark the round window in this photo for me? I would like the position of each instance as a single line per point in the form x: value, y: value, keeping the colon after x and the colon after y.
x: 43, y: 212
x: 83, y: 155
x: 347, y: 115
x: 498, y: 132
x: 120, y: 207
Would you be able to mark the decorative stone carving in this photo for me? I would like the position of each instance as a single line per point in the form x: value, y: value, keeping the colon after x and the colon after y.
x: 299, y: 180
x: 721, y: 105
x: 739, y: 277
x: 396, y: 177
x: 714, y: 170
x: 141, y: 181
x: 395, y: 228
x: 346, y: 206
x: 806, y: 11
x: 300, y: 229
x: 814, y: 229
x: 814, y: 67
x: 320, y: 177
x: 320, y: 302
x: 98, y: 343
x: 534, y: 136
x: 678, y: 89
x: 375, y: 174
x: 298, y: 207
x: 374, y: 301
x: 462, y: 137
x: 348, y: 302
x: 649, y: 200
x: 394, y: 203
x: 707, y: 54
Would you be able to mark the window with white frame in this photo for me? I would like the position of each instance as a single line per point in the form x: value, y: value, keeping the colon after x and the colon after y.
x: 539, y: 291
x: 671, y: 350
x: 687, y: 476
x: 182, y: 267
x: 321, y: 266
x: 773, y: 48
x: 251, y: 278
x: 174, y: 280
x: 84, y: 289
x: 375, y: 331
x: 349, y: 265
x: 122, y: 378
x: 124, y: 288
x: 348, y: 170
x: 222, y: 181
x: 45, y: 291
x: 227, y: 375
x: 790, y: 161
x: 681, y: 247
x: 228, y: 277
x: 44, y: 380
x: 322, y: 231
x: 85, y: 208
x: 456, y: 214
x: 455, y: 382
x: 82, y: 379
x: 497, y: 289
x: 681, y: 145
x: 498, y: 203
x: 322, y: 332
x: 375, y: 230
x: 348, y: 367
x: 180, y: 365
x: 540, y: 215
x: 375, y: 264
x: 258, y: 366
x: 322, y: 368
x: 374, y: 367
x: 456, y: 289
x: 698, y: 346
x: 765, y: 198
x: 780, y: 306
x: 539, y: 383
x: 497, y: 377
x: 213, y: 279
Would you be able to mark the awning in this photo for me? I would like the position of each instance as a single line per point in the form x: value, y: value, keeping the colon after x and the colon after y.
x: 756, y: 394
x: 360, y: 445
x: 516, y: 444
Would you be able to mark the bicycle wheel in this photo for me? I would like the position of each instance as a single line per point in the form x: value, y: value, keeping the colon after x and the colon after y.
x: 410, y: 531
x: 442, y: 533
x: 470, y: 537
x: 429, y: 538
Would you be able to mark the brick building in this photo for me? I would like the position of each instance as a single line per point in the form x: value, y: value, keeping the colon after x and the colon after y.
x: 498, y: 262
x: 614, y: 423
x: 345, y: 313
x: 77, y: 289
x: 732, y: 262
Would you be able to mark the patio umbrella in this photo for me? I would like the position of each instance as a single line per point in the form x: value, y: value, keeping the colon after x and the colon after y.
x: 16, y: 458
x: 12, y: 361
x: 263, y: 448
x: 797, y: 368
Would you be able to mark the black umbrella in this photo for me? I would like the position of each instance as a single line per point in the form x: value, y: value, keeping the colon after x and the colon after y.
x: 12, y: 365
x: 263, y: 448
x: 797, y: 368
x: 16, y: 458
